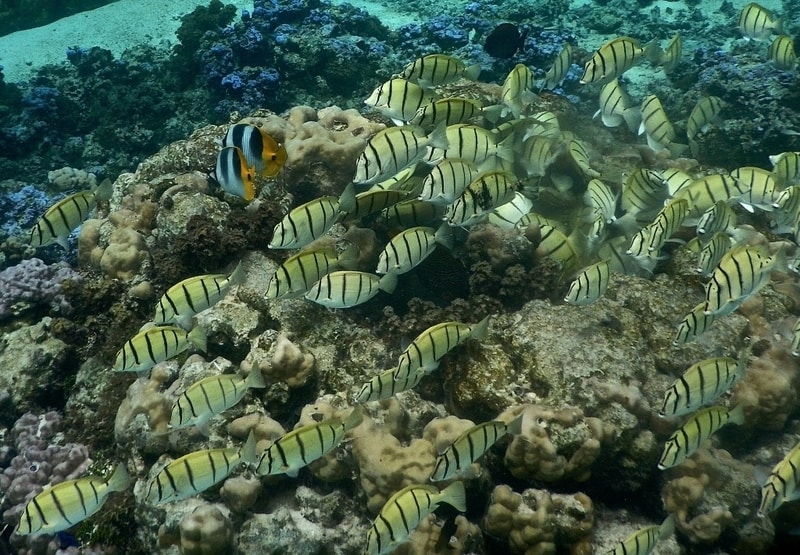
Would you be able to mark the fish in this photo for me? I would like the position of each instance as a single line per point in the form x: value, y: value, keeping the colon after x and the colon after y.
x: 302, y: 446
x: 395, y: 148
x: 781, y: 485
x: 720, y: 218
x: 758, y: 188
x: 741, y: 273
x: 65, y: 504
x: 786, y: 168
x: 348, y: 288
x: 558, y: 71
x: 787, y: 209
x: 508, y: 215
x: 399, y: 100
x: 579, y: 154
x: 666, y: 223
x: 642, y: 542
x: 589, y: 285
x: 538, y: 154
x: 61, y: 219
x: 486, y: 192
x: 404, y: 510
x: 706, y: 191
x: 414, y: 212
x: 471, y: 445
x: 384, y: 386
x: 601, y: 201
x: 517, y: 90
x: 781, y: 53
x: 435, y: 70
x: 672, y: 54
x: 472, y: 143
x: 211, y: 396
x: 428, y: 348
x: 643, y: 192
x: 194, y: 295
x: 447, y: 111
x: 504, y: 41
x: 676, y: 180
x: 155, y: 345
x: 705, y: 112
x: 711, y: 253
x: 447, y: 180
x: 757, y: 22
x: 232, y: 173
x: 657, y: 127
x: 795, y: 346
x: 374, y: 201
x: 197, y: 471
x: 260, y: 150
x: 410, y: 247
x: 694, y: 324
x: 615, y: 58
x: 404, y: 180
x: 565, y: 249
x: 690, y: 436
x: 703, y: 383
x: 301, y: 271
x: 310, y: 221
x: 616, y: 107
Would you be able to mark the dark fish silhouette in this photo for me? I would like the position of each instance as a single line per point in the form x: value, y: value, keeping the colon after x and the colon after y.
x: 504, y: 41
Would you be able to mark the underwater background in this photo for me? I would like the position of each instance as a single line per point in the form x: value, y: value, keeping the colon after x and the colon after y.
x: 541, y: 332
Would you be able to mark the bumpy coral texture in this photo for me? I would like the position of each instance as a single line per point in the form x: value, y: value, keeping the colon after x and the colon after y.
x: 33, y: 284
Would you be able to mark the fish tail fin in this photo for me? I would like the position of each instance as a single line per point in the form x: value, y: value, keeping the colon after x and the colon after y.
x: 347, y: 200
x: 355, y: 418
x: 777, y: 26
x: 744, y: 356
x: 197, y: 337
x: 737, y: 414
x: 480, y: 330
x: 471, y: 73
x: 653, y: 52
x: 514, y: 428
x: 455, y: 495
x: 633, y: 118
x: 388, y: 282
x: 444, y: 236
x: 104, y: 190
x: 438, y: 137
x: 120, y: 480
x: 238, y: 275
x: 505, y: 149
x: 676, y: 149
x: 248, y: 453
x: 667, y: 527
x: 348, y: 259
x: 493, y: 113
x: 255, y: 379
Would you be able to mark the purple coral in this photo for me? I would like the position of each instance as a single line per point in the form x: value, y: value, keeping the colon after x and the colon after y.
x: 31, y: 284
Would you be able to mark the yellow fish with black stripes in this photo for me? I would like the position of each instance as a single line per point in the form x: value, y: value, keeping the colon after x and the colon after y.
x: 301, y: 271
x: 616, y: 57
x: 310, y: 221
x: 399, y: 100
x: 699, y: 427
x: 61, y: 219
x: 384, y: 386
x: 66, y: 504
x: 155, y: 345
x: 757, y: 22
x: 349, y: 288
x: 302, y: 446
x: 435, y: 70
x: 589, y: 285
x: 693, y: 325
x: 404, y: 510
x: 409, y: 248
x: 642, y: 542
x: 394, y: 149
x: 781, y: 486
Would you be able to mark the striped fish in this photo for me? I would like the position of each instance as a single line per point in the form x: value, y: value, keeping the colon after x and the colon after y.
x: 642, y: 542
x: 558, y: 71
x: 703, y: 383
x: 672, y: 54
x: 61, y: 219
x: 486, y: 192
x: 782, y: 484
x: 410, y: 247
x: 720, y: 218
x: 300, y: 272
x: 589, y: 285
x: 196, y: 472
x: 155, y: 345
x: 404, y: 510
x: 399, y: 100
x: 508, y: 215
x: 348, y: 288
x: 302, y: 446
x: 411, y: 213
x: 428, y: 348
x: 517, y: 90
x: 233, y: 174
x: 711, y: 253
x: 435, y: 70
x: 554, y: 243
x: 373, y: 201
x: 471, y: 445
x: 310, y: 221
x: 404, y: 180
x: 260, y: 150
x: 538, y: 154
x: 695, y: 324
x: 472, y: 143
x: 616, y: 107
x: 447, y: 111
x: 705, y: 192
x: 795, y: 346
x: 758, y: 186
x: 690, y: 436
x: 741, y: 273
x: 384, y: 386
x: 601, y: 201
x: 786, y: 210
x: 757, y: 22
x: 194, y: 295
x: 643, y: 192
x: 211, y: 396
x: 577, y: 150
x: 657, y: 127
x: 395, y: 148
x: 447, y: 180
x: 781, y: 53
x: 615, y: 58
x: 666, y: 223
x: 705, y: 112
x: 676, y: 180
x: 66, y: 504
x: 786, y: 168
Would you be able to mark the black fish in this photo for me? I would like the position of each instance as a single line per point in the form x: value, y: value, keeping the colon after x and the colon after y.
x: 504, y: 41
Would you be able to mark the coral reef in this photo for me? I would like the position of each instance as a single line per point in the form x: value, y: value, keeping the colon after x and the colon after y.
x: 33, y: 286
